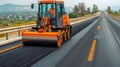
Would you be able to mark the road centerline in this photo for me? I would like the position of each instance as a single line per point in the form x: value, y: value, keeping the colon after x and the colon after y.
x: 92, y: 51
x: 99, y: 27
x: 11, y: 48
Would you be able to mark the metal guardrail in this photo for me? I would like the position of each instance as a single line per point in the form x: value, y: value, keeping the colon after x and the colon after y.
x: 20, y: 28
x: 12, y: 29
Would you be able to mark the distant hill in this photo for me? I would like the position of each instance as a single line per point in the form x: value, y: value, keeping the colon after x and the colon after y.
x: 13, y: 7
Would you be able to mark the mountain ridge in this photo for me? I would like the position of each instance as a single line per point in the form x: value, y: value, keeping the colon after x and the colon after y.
x: 13, y: 7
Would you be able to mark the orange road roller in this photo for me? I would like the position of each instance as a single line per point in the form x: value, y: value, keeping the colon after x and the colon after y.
x: 52, y: 26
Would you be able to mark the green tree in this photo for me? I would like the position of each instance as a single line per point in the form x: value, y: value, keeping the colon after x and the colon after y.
x: 88, y: 10
x: 119, y: 12
x: 109, y: 9
x: 95, y: 9
x: 73, y: 15
x: 76, y: 9
x: 82, y: 8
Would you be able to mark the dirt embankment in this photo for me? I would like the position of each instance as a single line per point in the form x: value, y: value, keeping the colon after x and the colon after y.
x: 81, y: 18
x: 115, y: 17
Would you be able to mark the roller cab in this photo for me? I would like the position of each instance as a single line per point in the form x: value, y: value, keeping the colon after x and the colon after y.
x: 52, y: 26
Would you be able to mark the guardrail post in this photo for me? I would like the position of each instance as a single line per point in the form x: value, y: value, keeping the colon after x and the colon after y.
x: 19, y: 31
x: 6, y: 36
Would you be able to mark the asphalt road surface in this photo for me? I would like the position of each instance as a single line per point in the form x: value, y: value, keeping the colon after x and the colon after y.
x: 107, y: 50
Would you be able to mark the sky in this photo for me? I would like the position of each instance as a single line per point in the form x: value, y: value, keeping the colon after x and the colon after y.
x: 89, y: 3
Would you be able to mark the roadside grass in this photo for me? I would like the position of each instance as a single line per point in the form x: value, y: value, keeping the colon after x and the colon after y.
x: 21, y: 24
x: 2, y: 35
x: 16, y: 23
x: 80, y: 18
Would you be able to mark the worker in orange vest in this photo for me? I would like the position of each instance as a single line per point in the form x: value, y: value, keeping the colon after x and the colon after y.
x: 52, y: 10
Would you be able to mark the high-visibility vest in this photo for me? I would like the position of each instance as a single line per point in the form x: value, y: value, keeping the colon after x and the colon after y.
x: 52, y: 11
